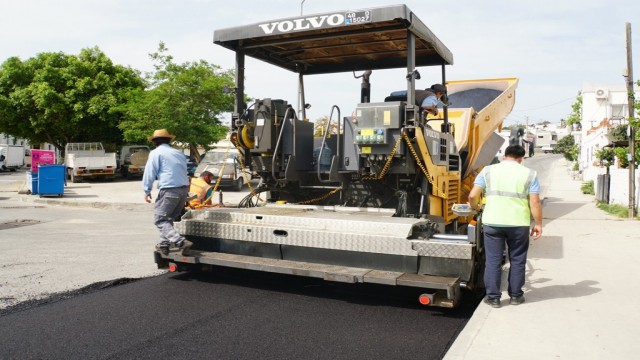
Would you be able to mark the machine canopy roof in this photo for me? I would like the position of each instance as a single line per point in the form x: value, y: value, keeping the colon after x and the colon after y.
x: 339, y: 41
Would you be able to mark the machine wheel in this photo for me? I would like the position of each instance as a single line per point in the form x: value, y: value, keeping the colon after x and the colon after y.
x: 239, y: 184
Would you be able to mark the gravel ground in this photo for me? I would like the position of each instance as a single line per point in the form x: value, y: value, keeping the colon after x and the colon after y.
x: 49, y: 249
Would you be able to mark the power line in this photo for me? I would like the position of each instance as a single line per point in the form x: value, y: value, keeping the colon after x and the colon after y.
x: 546, y: 106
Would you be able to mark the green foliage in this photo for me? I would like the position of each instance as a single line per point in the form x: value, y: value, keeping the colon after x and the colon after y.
x: 606, y: 156
x: 576, y: 111
x: 59, y: 98
x: 614, y: 209
x: 619, y: 132
x: 186, y: 99
x: 621, y: 155
x: 636, y: 104
x: 320, y: 125
x: 567, y: 147
x: 587, y: 187
x: 576, y: 166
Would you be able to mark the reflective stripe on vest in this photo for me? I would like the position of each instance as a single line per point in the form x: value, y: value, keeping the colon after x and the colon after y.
x: 507, y: 194
x: 199, y: 187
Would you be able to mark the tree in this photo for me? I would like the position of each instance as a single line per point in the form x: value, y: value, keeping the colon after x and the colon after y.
x: 186, y: 99
x: 621, y: 154
x: 576, y: 111
x: 567, y: 147
x: 320, y: 125
x: 59, y: 98
x: 606, y: 156
x: 619, y: 132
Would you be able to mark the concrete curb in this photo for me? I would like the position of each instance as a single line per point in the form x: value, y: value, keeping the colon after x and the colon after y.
x: 86, y: 204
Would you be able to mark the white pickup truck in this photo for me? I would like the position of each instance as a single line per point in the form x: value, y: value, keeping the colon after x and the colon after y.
x: 89, y: 160
x: 133, y: 158
x: 11, y: 157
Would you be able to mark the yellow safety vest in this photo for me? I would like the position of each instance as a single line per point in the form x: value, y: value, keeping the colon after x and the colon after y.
x: 507, y: 194
x: 200, y: 188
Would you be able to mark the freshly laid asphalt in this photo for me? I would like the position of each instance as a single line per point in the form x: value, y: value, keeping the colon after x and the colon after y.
x: 581, y: 290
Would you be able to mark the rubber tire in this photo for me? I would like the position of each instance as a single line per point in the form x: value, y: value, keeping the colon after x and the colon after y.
x: 238, y: 184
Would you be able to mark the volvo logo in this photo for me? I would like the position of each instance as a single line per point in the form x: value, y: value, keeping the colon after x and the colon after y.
x: 314, y: 22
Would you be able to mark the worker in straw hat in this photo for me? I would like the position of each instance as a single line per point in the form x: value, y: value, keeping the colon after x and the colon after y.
x: 169, y: 167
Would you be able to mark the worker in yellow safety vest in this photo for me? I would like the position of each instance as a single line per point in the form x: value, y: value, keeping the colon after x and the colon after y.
x: 202, y: 189
x: 512, y: 194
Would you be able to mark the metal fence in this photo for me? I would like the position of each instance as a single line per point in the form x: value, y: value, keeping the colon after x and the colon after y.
x: 602, y: 188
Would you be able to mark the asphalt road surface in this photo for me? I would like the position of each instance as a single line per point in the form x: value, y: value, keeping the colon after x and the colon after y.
x: 230, y: 314
x: 227, y: 314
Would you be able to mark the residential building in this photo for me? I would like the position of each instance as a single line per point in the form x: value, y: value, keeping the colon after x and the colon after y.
x: 603, y: 108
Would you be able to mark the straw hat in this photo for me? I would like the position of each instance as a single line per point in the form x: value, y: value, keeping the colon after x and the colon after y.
x: 162, y: 133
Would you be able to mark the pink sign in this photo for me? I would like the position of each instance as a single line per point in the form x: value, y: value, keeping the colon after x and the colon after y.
x: 39, y: 157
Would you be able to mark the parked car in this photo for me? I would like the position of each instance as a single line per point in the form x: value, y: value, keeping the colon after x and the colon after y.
x: 223, y: 163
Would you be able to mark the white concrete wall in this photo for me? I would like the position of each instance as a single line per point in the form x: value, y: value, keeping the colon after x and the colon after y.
x: 590, y: 144
x: 591, y: 173
x: 619, y: 187
x: 595, y: 108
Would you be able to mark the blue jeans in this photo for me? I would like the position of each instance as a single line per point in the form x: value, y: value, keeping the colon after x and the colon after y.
x: 167, y: 208
x: 517, y: 241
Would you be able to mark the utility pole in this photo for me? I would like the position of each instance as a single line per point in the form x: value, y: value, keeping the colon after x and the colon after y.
x: 632, y: 132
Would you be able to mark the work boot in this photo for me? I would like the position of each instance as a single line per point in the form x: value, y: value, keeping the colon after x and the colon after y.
x: 183, y: 245
x: 163, y: 248
x: 494, y: 303
x: 516, y: 300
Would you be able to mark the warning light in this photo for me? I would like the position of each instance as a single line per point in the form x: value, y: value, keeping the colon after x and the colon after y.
x: 424, y: 299
x: 173, y: 267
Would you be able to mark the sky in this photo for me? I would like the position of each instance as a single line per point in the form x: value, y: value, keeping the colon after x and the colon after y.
x: 555, y: 48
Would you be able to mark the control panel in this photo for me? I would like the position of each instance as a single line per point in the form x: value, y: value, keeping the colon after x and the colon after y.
x: 371, y: 136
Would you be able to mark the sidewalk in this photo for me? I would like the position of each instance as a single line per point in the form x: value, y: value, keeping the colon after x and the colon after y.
x: 581, y: 290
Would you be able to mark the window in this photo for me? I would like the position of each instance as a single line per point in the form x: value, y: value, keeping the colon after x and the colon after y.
x: 619, y: 111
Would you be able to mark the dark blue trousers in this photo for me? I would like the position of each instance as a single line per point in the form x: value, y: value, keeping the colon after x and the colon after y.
x: 516, y: 239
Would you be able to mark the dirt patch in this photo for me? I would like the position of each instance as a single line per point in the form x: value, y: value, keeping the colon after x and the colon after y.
x: 18, y: 223
x: 53, y: 298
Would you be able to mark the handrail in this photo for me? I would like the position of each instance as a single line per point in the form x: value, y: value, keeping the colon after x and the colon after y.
x: 324, y: 141
x: 275, y: 150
